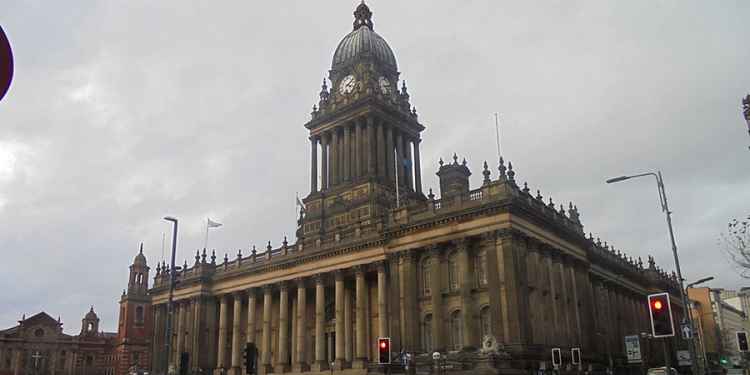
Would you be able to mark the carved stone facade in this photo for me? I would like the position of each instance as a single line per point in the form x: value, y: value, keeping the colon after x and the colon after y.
x: 37, y: 345
x: 490, y: 265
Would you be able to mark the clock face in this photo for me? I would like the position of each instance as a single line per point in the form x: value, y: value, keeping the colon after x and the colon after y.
x: 385, y: 85
x: 347, y: 84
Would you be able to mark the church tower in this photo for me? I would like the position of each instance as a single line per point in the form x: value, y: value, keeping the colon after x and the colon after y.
x: 364, y: 138
x: 134, y: 328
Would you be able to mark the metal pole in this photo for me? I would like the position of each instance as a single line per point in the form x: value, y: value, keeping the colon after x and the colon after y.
x: 667, y: 359
x: 683, y: 295
x: 172, y: 272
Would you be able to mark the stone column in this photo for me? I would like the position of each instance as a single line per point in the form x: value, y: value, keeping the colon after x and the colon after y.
x: 301, y: 364
x: 266, y: 335
x: 553, y: 296
x: 320, y: 311
x: 381, y: 150
x: 371, y: 152
x: 436, y: 297
x: 346, y: 155
x: 348, y: 342
x: 335, y: 158
x: 339, y: 288
x: 361, y: 352
x: 408, y: 300
x: 389, y: 152
x: 574, y: 291
x: 382, y: 307
x: 156, y: 340
x: 564, y: 298
x: 394, y: 303
x: 408, y: 170
x: 236, y: 335
x: 195, y: 347
x: 180, y: 347
x: 17, y: 362
x: 251, y: 316
x: 400, y: 158
x: 417, y: 167
x: 465, y: 274
x: 222, y: 345
x: 282, y: 360
x: 324, y: 161
x: 313, y: 164
x: 357, y: 168
x: 489, y: 242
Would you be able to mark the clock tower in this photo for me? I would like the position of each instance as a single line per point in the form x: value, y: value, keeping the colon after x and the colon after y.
x: 364, y: 138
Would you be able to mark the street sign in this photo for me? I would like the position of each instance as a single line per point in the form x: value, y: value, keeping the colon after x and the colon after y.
x: 633, y: 348
x: 683, y: 358
x: 687, y: 334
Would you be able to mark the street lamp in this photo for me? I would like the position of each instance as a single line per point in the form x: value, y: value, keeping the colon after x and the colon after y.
x: 665, y: 209
x: 172, y: 272
x: 701, y: 281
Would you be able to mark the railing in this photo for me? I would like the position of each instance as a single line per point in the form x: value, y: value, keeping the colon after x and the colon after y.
x: 475, y: 195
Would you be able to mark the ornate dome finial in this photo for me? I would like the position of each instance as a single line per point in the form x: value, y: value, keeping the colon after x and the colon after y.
x: 362, y: 16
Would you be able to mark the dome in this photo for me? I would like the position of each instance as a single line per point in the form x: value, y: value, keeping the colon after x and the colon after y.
x: 91, y: 315
x: 140, y: 259
x: 363, y: 42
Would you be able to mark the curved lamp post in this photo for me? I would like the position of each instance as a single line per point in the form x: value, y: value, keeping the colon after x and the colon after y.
x: 665, y: 209
x: 170, y: 307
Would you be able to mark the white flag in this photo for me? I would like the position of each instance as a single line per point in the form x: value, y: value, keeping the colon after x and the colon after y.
x: 299, y: 203
x: 213, y: 224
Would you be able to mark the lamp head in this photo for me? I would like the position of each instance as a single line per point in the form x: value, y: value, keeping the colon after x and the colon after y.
x: 170, y: 218
x: 617, y: 179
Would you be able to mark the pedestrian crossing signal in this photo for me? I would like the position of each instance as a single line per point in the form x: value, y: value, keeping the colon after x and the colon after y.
x: 742, y: 345
x: 384, y: 350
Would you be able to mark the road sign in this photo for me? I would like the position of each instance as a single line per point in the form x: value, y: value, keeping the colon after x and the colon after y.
x: 683, y: 358
x: 633, y: 348
x: 687, y: 334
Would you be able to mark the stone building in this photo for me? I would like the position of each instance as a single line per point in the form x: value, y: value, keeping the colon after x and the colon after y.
x: 493, y: 277
x: 719, y: 314
x: 37, y: 345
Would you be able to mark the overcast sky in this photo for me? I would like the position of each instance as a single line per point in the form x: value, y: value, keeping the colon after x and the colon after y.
x: 123, y: 112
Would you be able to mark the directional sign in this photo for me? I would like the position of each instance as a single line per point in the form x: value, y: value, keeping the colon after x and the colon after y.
x: 687, y: 334
x: 683, y: 358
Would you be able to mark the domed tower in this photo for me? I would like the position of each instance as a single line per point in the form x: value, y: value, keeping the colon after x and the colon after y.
x: 90, y: 323
x: 134, y: 328
x: 364, y: 138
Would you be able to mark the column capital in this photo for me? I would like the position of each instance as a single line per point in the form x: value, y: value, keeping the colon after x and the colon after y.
x: 267, y: 289
x: 300, y: 282
x: 283, y: 286
x: 223, y: 298
x: 434, y: 250
x: 319, y: 279
x: 380, y: 266
x: 359, y: 270
x: 238, y: 295
x: 251, y: 291
x: 461, y: 244
x: 338, y: 275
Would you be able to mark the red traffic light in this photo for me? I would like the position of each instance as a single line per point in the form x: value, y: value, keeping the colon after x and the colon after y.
x: 657, y: 305
x: 384, y: 350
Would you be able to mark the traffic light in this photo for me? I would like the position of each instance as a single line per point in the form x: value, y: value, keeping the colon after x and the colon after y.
x: 575, y: 356
x: 556, y: 357
x: 661, y: 315
x: 742, y: 341
x: 184, y: 362
x: 250, y: 355
x: 384, y: 350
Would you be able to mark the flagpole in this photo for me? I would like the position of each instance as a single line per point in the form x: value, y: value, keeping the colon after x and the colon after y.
x: 205, y: 244
x: 395, y: 160
x: 497, y: 134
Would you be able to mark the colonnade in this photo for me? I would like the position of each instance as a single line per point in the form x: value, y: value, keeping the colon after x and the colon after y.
x: 365, y: 147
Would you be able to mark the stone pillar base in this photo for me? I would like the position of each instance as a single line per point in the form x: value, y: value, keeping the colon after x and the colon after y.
x: 359, y: 363
x: 300, y: 367
x: 219, y: 371
x: 281, y: 368
x: 265, y: 369
x: 318, y: 366
x: 235, y: 371
x: 339, y: 364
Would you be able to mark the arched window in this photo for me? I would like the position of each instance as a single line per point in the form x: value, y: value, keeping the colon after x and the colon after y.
x: 456, y: 331
x: 424, y: 276
x: 481, y: 267
x: 453, y: 272
x: 90, y: 327
x: 484, y: 321
x: 427, y: 333
x: 139, y: 315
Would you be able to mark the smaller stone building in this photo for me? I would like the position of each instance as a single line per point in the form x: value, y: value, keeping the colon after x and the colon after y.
x: 38, y: 346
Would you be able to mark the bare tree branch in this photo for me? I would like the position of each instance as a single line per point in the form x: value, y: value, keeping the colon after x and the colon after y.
x: 735, y: 244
